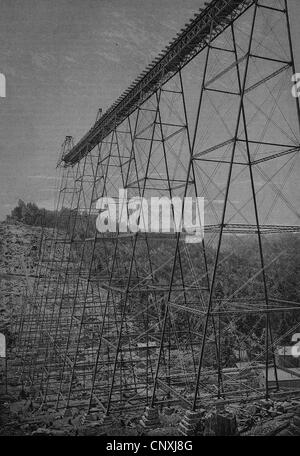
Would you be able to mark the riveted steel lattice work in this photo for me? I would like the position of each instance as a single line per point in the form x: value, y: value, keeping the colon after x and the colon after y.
x: 121, y: 320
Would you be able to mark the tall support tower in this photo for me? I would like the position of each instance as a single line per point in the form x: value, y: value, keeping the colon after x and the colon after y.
x: 136, y: 318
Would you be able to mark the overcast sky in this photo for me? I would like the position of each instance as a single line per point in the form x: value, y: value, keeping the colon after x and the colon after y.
x: 63, y: 59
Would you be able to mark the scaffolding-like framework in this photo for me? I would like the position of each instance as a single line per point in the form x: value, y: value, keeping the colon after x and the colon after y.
x: 122, y: 320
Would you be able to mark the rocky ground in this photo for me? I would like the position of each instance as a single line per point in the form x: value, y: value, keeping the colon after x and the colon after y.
x: 18, y: 256
x: 19, y: 249
x: 19, y: 246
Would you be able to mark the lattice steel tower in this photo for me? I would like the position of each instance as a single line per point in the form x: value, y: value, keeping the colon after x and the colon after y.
x: 121, y: 321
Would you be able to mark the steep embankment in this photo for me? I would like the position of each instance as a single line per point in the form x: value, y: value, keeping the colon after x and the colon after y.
x: 18, y: 257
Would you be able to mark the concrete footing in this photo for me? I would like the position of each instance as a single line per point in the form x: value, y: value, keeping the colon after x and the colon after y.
x: 294, y: 427
x: 190, y: 423
x: 224, y: 423
x: 150, y: 418
x: 106, y: 420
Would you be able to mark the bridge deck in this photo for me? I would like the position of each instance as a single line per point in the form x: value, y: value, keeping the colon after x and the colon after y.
x: 201, y: 30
